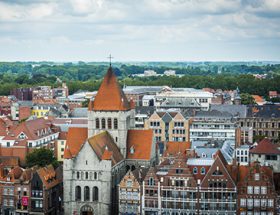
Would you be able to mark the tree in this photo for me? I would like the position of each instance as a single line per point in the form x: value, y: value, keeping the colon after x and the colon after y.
x: 41, y: 157
x: 247, y: 99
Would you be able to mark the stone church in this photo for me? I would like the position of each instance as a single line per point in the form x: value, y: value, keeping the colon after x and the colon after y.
x: 97, y: 157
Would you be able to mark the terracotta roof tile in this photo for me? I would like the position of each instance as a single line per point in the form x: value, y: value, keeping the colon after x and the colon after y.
x: 140, y: 143
x: 265, y: 147
x: 76, y: 137
x: 105, y: 147
x: 48, y: 176
x: 110, y: 96
x: 173, y: 148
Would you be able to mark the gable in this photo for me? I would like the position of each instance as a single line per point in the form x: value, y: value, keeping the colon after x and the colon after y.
x: 218, y: 173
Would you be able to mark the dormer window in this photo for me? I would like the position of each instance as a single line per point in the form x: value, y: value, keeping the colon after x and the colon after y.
x: 22, y: 136
x: 131, y: 150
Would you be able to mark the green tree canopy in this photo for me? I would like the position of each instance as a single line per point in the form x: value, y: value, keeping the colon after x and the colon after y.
x: 247, y: 99
x: 41, y: 157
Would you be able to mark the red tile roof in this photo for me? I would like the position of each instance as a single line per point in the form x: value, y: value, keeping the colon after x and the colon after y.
x: 110, y: 96
x: 173, y: 148
x: 265, y: 147
x: 142, y: 143
x: 105, y: 147
x: 48, y: 176
x: 29, y: 128
x: 76, y: 137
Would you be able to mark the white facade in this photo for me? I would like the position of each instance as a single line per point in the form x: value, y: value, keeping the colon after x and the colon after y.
x: 242, y: 155
x: 205, y: 129
x: 201, y: 97
x: 86, y: 170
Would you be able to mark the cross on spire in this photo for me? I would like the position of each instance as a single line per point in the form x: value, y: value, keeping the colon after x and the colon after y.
x: 110, y: 59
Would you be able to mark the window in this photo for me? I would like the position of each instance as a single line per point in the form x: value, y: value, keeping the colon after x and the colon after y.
x: 129, y: 183
x: 256, y: 190
x: 86, y: 175
x: 97, y: 123
x: 86, y: 193
x: 270, y: 203
x: 95, y: 194
x: 195, y: 170
x: 109, y: 123
x: 202, y: 171
x: 249, y: 190
x: 256, y: 202
x: 78, y: 193
x: 263, y: 203
x: 151, y: 182
x: 263, y: 190
x: 103, y: 123
x: 257, y: 177
x: 115, y: 123
x: 242, y: 202
x: 78, y: 175
x: 95, y: 175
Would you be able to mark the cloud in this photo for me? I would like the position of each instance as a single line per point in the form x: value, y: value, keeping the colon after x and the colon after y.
x: 151, y: 26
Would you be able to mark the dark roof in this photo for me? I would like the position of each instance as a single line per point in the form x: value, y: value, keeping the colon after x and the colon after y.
x: 234, y: 110
x: 264, y: 111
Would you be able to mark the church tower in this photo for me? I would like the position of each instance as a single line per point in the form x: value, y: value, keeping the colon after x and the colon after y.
x: 111, y: 111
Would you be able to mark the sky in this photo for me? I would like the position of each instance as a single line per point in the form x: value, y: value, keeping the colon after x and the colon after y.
x: 140, y: 30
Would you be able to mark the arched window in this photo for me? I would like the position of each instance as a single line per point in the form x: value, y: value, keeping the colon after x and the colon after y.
x: 103, y: 123
x: 97, y: 123
x: 195, y: 170
x: 77, y: 193
x: 151, y: 182
x: 78, y: 175
x: 202, y: 171
x: 86, y: 175
x: 133, y: 168
x: 86, y: 193
x: 95, y: 175
x: 109, y: 123
x: 115, y: 123
x: 95, y: 194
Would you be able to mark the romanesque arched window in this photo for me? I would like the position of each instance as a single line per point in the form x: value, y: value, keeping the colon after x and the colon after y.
x: 115, y: 123
x: 95, y: 194
x: 103, y: 123
x: 97, y: 123
x: 86, y: 193
x: 95, y: 175
x: 109, y: 123
x: 78, y: 193
x: 78, y: 175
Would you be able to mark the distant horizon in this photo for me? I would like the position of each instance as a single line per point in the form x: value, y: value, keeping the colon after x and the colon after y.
x: 147, y: 61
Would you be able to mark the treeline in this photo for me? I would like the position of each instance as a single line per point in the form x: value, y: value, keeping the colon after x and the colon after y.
x: 88, y: 76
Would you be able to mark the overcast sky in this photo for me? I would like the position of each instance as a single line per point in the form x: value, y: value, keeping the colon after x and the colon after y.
x: 139, y: 30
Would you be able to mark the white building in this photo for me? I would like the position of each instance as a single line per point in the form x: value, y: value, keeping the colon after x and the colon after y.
x: 169, y: 72
x: 149, y: 73
x: 213, y: 125
x: 242, y: 154
x: 198, y: 96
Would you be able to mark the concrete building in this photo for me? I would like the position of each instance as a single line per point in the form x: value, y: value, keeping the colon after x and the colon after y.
x: 213, y: 125
x: 202, y: 98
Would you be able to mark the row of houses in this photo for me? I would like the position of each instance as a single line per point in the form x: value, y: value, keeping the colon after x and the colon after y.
x: 29, y: 191
x: 186, y: 185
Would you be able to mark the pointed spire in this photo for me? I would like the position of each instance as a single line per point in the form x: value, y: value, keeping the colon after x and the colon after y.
x: 110, y: 96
